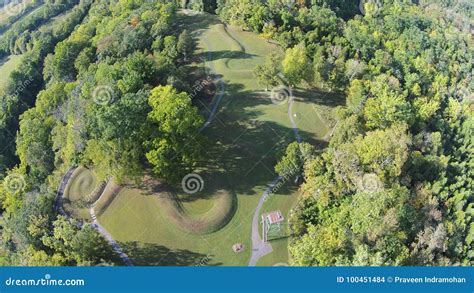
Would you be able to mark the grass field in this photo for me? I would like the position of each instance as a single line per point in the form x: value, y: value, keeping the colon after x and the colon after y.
x: 7, y: 65
x: 247, y: 135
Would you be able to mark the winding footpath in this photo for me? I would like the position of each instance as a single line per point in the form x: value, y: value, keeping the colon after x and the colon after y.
x: 219, y: 82
x: 220, y: 85
x: 62, y: 186
x: 260, y: 248
x: 95, y: 224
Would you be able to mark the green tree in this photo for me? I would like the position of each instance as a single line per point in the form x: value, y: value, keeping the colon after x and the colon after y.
x: 185, y: 45
x: 296, y: 65
x: 295, y: 156
x: 169, y: 50
x: 268, y: 74
x: 79, y: 245
x: 176, y: 143
x: 34, y: 145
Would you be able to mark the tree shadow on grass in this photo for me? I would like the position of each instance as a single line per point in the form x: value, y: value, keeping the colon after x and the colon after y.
x: 224, y: 54
x: 246, y: 148
x: 242, y: 148
x: 195, y: 24
x: 317, y: 96
x: 149, y: 254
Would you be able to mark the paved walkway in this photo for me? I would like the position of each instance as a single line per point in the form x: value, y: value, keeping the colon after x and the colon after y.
x: 109, y: 238
x: 62, y: 186
x: 292, y: 120
x: 260, y: 248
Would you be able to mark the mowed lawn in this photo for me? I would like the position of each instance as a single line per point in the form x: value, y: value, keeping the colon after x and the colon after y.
x: 7, y: 65
x: 246, y: 137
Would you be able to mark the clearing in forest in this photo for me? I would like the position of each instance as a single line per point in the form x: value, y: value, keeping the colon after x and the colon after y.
x: 246, y: 134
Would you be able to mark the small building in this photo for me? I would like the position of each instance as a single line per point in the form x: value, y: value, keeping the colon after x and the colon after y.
x: 271, y: 220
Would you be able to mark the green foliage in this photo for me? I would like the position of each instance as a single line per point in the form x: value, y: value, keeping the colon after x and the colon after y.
x: 34, y: 146
x: 268, y: 74
x: 91, y: 110
x: 293, y: 160
x: 175, y: 144
x: 407, y: 72
x: 81, y: 245
x: 364, y: 230
x: 26, y: 81
x: 296, y: 65
x: 185, y: 45
x: 405, y: 127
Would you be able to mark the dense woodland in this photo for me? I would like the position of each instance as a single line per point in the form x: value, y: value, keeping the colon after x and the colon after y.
x: 393, y: 187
